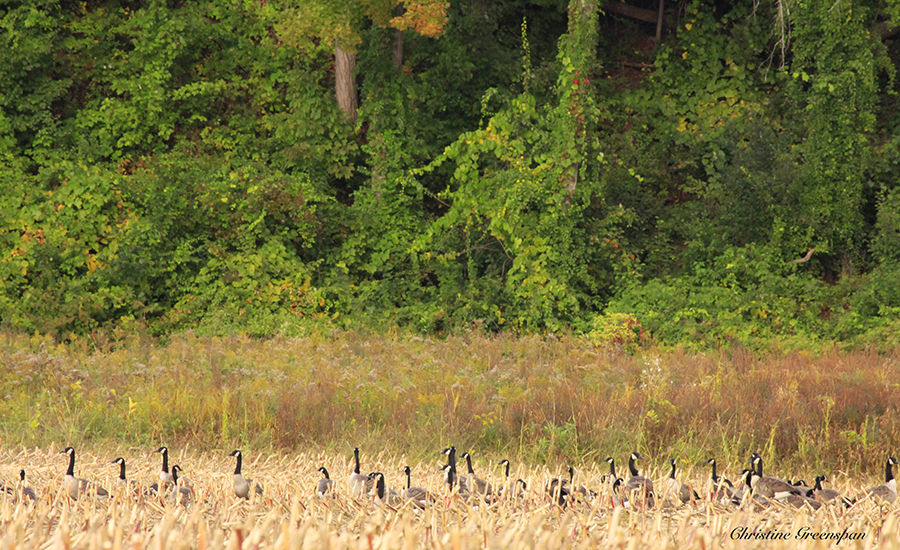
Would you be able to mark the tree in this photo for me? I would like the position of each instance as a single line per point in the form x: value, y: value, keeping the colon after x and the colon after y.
x: 339, y: 22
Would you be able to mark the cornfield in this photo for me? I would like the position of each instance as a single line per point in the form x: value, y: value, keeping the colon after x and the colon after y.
x: 290, y: 515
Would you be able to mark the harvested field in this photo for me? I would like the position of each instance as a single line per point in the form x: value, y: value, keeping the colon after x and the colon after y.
x: 290, y: 515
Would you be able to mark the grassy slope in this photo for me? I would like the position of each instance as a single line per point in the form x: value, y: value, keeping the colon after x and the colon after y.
x: 538, y: 399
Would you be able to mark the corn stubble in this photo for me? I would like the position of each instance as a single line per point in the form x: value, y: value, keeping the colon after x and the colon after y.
x: 290, y: 515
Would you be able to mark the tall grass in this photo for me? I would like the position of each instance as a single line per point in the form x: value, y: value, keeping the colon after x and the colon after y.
x: 542, y: 399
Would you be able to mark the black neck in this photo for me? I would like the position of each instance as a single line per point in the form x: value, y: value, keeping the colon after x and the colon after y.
x: 672, y: 475
x: 122, y: 470
x: 469, y: 462
x: 507, y: 469
x: 379, y: 486
x: 356, y: 459
x: 325, y: 473
x: 888, y: 471
x: 571, y: 476
x: 715, y: 478
x: 408, y: 481
x: 759, y: 466
x: 175, y: 475
x: 818, y: 486
x: 631, y: 466
x: 165, y: 453
x: 237, y: 467
x: 22, y: 475
x: 749, y: 478
x: 612, y: 468
x: 71, y: 470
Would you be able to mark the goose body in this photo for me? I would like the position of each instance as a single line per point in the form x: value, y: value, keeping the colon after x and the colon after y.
x: 76, y: 486
x: 242, y: 484
x: 887, y: 491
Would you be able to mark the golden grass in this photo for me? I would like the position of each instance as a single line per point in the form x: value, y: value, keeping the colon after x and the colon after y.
x: 544, y: 399
x: 289, y: 515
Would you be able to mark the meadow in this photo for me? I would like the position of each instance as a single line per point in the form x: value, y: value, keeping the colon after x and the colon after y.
x: 541, y: 399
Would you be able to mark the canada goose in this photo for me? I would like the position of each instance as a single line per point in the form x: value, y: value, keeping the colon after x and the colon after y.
x: 803, y: 487
x: 507, y: 487
x: 475, y: 483
x: 165, y: 476
x: 123, y: 482
x: 451, y: 477
x: 505, y: 465
x: 381, y: 494
x: 768, y: 486
x: 560, y: 489
x: 27, y: 491
x: 829, y: 495
x: 722, y: 488
x: 325, y: 484
x: 673, y: 488
x: 617, y: 492
x: 639, y: 483
x: 611, y: 477
x: 178, y: 489
x: 417, y: 495
x: 242, y: 484
x: 360, y: 484
x: 77, y: 486
x: 463, y: 490
x: 747, y: 494
x: 520, y: 492
x: 888, y: 490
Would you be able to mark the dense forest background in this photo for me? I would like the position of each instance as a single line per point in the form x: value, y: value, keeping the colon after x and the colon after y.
x: 726, y: 174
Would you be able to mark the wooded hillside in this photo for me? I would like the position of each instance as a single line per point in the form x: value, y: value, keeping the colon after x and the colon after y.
x: 693, y: 172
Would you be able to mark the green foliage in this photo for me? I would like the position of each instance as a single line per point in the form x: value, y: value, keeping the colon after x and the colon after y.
x: 834, y: 80
x: 61, y: 230
x: 526, y: 166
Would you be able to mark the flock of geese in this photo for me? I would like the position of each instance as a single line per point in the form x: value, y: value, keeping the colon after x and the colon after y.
x: 177, y: 488
x: 636, y: 491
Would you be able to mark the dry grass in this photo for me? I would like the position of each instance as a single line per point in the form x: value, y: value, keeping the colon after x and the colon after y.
x: 291, y: 516
x: 544, y: 399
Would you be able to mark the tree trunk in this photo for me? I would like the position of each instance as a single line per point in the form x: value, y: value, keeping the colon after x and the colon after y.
x: 398, y: 49
x: 659, y: 22
x: 345, y: 82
